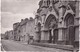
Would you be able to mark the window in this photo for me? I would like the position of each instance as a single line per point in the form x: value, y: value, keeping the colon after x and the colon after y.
x: 48, y: 2
x: 55, y: 1
x: 70, y: 21
x: 19, y: 31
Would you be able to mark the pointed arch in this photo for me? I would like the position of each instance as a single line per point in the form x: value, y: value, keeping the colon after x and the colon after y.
x: 70, y: 30
x: 50, y: 19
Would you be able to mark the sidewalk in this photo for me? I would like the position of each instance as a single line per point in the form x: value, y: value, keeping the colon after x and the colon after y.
x: 63, y: 48
x: 45, y: 48
x: 57, y: 46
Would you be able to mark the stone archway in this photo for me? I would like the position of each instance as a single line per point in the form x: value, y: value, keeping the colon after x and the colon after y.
x: 70, y: 31
x: 51, y: 25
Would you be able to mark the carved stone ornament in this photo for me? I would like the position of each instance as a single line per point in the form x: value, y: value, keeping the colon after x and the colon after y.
x: 52, y: 23
x: 50, y: 9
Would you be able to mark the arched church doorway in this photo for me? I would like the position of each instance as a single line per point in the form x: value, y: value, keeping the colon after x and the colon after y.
x: 70, y: 31
x: 51, y: 25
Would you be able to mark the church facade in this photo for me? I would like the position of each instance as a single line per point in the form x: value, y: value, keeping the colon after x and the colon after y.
x: 57, y: 22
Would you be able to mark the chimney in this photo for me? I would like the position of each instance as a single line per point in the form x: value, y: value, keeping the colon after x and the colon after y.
x: 21, y: 19
x: 31, y: 18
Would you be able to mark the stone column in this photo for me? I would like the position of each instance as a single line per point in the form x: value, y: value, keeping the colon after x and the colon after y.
x: 44, y: 32
x: 76, y: 23
x: 44, y: 36
x: 61, y: 25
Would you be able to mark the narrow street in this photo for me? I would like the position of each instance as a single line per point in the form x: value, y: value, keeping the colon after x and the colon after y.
x: 10, y: 45
x: 15, y: 46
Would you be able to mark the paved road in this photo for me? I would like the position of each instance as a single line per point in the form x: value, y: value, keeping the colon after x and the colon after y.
x: 9, y: 45
x: 15, y: 46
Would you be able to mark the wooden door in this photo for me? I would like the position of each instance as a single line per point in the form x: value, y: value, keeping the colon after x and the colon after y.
x: 55, y: 36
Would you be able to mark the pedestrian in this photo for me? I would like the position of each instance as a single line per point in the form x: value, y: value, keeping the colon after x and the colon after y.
x: 28, y: 37
x: 32, y: 39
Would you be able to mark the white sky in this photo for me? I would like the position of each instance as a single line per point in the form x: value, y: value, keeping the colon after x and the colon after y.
x: 14, y: 10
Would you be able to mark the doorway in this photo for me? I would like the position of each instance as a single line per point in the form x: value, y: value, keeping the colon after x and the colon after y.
x: 70, y: 29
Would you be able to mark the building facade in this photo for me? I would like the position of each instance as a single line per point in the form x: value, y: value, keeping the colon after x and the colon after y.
x: 3, y: 36
x: 23, y: 29
x: 9, y: 35
x: 57, y: 22
x: 30, y: 27
x: 6, y: 35
x: 16, y: 32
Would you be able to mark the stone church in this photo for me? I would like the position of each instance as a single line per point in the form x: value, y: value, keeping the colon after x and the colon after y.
x: 57, y: 22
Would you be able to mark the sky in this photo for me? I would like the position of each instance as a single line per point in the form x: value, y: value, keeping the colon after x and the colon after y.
x: 13, y: 11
